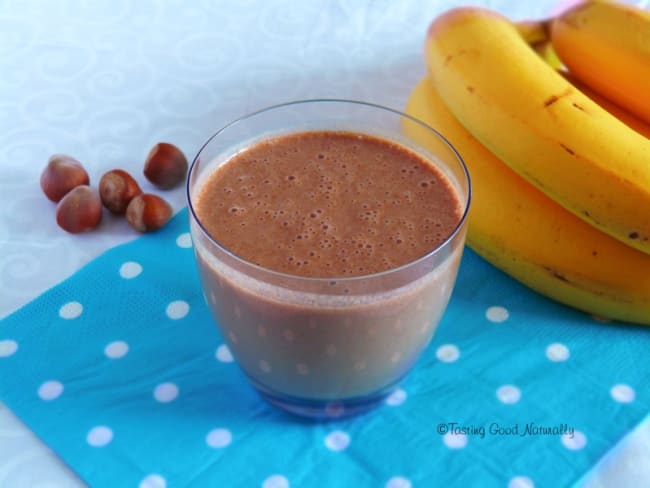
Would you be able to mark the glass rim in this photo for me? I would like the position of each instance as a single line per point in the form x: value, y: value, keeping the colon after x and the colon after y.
x: 339, y: 279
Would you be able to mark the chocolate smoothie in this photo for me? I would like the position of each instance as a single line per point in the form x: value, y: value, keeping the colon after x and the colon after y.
x: 301, y: 221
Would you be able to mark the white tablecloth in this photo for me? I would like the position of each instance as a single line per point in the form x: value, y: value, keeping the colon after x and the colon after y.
x: 105, y: 80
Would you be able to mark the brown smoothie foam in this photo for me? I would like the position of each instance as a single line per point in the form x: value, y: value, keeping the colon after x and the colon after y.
x: 329, y: 205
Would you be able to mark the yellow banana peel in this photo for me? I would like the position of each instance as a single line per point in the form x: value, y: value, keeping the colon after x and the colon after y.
x: 606, y: 45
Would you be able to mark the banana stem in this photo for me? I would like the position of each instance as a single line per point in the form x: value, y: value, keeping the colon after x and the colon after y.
x: 534, y: 31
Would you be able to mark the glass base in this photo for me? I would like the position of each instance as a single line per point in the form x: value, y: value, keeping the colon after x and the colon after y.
x: 324, y: 410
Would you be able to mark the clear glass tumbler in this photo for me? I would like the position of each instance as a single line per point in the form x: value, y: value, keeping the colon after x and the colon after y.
x: 326, y: 347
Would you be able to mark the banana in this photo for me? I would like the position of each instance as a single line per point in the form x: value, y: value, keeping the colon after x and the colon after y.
x: 606, y: 44
x: 518, y: 229
x: 539, y: 124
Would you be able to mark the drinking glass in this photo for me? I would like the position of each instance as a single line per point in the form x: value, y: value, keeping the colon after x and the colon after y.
x: 326, y: 347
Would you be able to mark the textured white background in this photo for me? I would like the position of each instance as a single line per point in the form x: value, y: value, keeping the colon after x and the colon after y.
x: 105, y: 80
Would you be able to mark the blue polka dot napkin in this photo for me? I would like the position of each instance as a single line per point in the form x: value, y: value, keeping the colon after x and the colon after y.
x: 120, y: 370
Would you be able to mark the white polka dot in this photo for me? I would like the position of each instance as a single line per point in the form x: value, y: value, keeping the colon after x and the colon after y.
x: 130, y: 270
x: 184, y: 240
x: 360, y: 365
x: 177, y: 309
x: 71, y: 310
x: 50, y: 390
x: 497, y: 314
x: 223, y: 354
x: 521, y: 482
x: 8, y: 348
x: 165, y: 392
x: 153, y: 481
x: 218, y: 438
x: 302, y: 369
x: 396, y: 398
x: 575, y: 441
x: 557, y: 352
x: 396, y: 357
x: 398, y: 482
x: 623, y: 393
x: 276, y: 481
x: 337, y: 440
x: 455, y: 441
x: 447, y: 353
x: 116, y: 350
x: 508, y: 394
x: 99, y: 436
x: 265, y: 366
x: 233, y: 337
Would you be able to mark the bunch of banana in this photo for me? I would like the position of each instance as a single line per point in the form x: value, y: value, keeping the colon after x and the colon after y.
x: 561, y: 186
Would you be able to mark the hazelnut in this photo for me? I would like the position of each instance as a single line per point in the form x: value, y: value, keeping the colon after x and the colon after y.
x: 148, y: 212
x: 116, y: 189
x: 80, y: 210
x: 165, y: 166
x: 61, y: 175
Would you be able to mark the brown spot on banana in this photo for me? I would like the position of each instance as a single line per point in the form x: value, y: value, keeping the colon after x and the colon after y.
x: 556, y: 274
x: 551, y: 100
x: 568, y: 149
x: 554, y: 98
